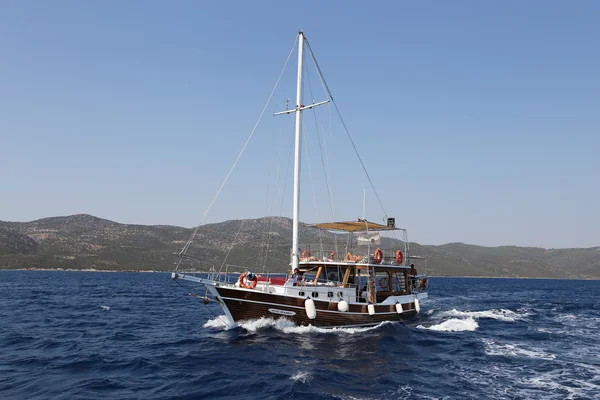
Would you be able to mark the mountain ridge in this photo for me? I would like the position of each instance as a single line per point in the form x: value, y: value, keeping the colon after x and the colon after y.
x: 82, y: 241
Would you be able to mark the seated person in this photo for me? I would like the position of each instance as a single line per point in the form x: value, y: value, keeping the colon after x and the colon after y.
x: 351, y: 257
x: 297, y: 276
x: 364, y: 295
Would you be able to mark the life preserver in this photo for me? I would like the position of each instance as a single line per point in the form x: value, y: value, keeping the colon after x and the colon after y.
x: 305, y: 254
x: 243, y: 284
x: 399, y: 257
x: 378, y: 255
x: 382, y: 284
x: 423, y: 283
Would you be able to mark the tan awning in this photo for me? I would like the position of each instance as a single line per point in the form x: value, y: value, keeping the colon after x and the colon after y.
x: 353, y: 226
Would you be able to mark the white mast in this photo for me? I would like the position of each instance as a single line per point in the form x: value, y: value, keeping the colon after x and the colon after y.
x: 298, y: 110
x: 364, y: 201
x: 296, y: 212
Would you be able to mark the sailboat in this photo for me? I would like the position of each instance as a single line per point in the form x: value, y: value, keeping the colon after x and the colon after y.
x: 365, y: 287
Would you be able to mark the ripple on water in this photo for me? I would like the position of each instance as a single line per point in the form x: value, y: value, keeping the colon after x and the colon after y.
x: 86, y: 335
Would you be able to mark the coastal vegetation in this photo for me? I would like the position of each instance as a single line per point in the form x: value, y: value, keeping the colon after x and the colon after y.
x: 87, y: 242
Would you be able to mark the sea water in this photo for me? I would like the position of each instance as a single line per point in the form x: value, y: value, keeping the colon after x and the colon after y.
x: 83, y: 335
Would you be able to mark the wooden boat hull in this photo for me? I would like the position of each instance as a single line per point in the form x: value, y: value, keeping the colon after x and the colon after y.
x: 247, y: 305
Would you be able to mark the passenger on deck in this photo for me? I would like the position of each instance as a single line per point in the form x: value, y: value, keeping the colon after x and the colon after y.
x: 297, y: 276
x: 364, y: 294
x: 330, y: 258
x: 412, y: 272
x: 350, y: 257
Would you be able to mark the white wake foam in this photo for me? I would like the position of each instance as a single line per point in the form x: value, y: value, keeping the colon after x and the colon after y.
x: 454, y: 325
x: 284, y: 325
x: 501, y: 315
x: 302, y: 376
x: 567, y: 317
x: 105, y: 308
x: 514, y: 350
x: 287, y: 326
x: 218, y: 323
x: 560, y: 383
x: 562, y: 380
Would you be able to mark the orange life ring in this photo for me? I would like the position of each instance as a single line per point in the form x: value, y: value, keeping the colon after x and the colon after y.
x: 305, y: 254
x: 378, y: 255
x: 399, y: 257
x: 252, y: 284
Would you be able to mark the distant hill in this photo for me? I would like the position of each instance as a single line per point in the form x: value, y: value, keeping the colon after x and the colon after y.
x: 84, y: 241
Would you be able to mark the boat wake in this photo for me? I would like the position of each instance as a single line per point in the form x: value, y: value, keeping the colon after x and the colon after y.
x: 493, y: 348
x: 302, y: 377
x: 467, y: 320
x: 500, y: 315
x: 460, y: 321
x: 453, y: 325
x: 287, y: 326
x: 218, y: 323
x: 567, y: 381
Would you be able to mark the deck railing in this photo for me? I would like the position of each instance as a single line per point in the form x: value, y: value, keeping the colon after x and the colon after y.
x: 316, y: 252
x: 418, y: 283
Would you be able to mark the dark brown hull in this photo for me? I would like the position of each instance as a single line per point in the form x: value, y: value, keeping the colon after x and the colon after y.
x: 246, y: 305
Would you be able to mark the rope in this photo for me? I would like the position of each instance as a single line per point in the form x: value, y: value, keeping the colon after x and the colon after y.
x: 232, y: 243
x: 206, y: 296
x: 344, y: 125
x: 323, y: 163
x: 329, y: 168
x: 335, y: 243
x: 270, y: 209
x: 305, y: 143
x: 285, y: 180
x: 189, y: 242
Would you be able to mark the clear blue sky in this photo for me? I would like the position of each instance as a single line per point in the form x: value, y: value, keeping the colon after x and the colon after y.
x: 478, y: 121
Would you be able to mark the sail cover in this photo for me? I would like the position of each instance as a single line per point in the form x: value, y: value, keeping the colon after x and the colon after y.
x: 353, y: 226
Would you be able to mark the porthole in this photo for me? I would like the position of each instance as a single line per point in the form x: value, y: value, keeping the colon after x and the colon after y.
x: 329, y: 294
x: 301, y: 294
x: 315, y: 294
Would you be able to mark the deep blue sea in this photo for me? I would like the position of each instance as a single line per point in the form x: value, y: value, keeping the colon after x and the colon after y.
x: 91, y: 335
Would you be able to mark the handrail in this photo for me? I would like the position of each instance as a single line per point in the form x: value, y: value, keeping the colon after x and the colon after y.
x: 317, y: 253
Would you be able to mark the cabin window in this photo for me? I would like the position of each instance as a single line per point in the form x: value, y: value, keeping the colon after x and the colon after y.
x: 399, y: 282
x: 352, y: 277
x: 334, y: 274
x: 309, y: 276
x: 382, y: 282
